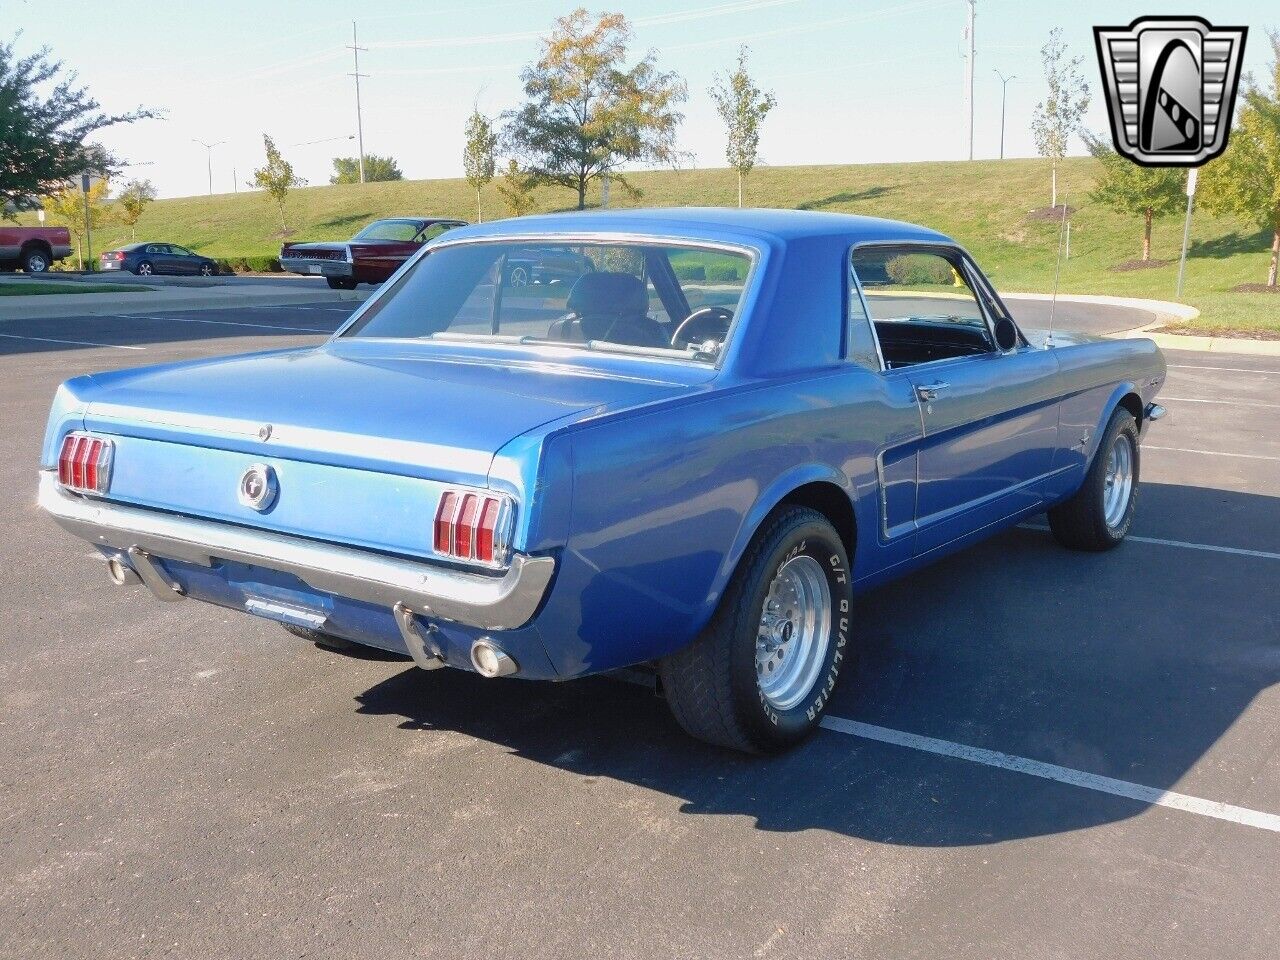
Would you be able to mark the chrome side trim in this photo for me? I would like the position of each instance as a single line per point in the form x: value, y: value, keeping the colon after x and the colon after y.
x: 486, y: 602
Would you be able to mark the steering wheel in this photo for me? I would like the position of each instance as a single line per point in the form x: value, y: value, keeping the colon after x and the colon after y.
x: 715, y: 320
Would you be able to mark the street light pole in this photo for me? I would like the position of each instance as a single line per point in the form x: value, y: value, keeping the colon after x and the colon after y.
x: 968, y: 71
x: 1004, y: 89
x: 209, y: 158
x: 355, y: 50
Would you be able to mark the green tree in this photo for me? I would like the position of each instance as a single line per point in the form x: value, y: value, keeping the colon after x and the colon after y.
x: 376, y: 169
x: 587, y: 112
x: 133, y: 201
x: 44, y: 121
x: 276, y: 178
x: 66, y: 206
x: 516, y: 187
x: 1245, y: 180
x: 1127, y: 188
x: 478, y: 160
x: 742, y: 106
x: 1057, y: 118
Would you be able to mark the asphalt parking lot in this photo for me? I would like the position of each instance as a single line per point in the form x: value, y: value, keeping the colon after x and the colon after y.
x: 1040, y: 753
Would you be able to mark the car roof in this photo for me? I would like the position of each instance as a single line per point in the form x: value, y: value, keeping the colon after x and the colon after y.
x: 712, y: 223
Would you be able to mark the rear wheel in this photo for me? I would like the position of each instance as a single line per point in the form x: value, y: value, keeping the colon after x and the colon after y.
x: 1099, y: 516
x: 144, y: 269
x: 759, y: 676
x: 340, y: 283
x: 35, y: 260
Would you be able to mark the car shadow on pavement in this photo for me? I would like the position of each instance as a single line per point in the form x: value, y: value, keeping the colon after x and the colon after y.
x: 1130, y: 664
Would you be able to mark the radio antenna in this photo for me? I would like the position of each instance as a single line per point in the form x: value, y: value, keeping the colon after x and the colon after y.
x: 1057, y: 275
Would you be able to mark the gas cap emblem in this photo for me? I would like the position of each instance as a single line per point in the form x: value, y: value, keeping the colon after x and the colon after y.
x: 258, y: 487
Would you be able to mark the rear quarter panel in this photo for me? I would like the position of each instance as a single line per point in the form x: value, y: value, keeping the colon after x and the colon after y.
x: 665, y: 503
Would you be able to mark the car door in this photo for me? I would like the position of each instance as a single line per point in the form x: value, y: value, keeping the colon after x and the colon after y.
x: 990, y: 417
x: 183, y: 260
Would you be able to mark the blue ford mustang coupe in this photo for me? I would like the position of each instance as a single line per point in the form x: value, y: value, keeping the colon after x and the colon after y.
x: 692, y: 457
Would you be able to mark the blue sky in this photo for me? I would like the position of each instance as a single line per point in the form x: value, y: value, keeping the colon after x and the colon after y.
x: 857, y: 80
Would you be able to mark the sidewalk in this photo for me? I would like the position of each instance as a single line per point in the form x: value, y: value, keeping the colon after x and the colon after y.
x: 154, y: 299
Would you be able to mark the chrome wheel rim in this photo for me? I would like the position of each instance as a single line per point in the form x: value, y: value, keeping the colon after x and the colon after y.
x: 145, y: 269
x: 37, y: 264
x: 795, y: 631
x: 1119, y: 482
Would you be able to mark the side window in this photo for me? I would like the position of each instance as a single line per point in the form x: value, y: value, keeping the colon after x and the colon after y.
x: 433, y: 231
x: 862, y: 341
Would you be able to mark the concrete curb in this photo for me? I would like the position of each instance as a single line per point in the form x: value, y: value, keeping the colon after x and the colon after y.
x: 158, y: 300
x: 1167, y: 312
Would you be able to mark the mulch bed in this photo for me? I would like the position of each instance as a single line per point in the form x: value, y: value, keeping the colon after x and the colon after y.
x: 1128, y: 265
x: 1050, y: 213
x: 1254, y: 288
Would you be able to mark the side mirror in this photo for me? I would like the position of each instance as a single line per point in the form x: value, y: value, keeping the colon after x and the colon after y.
x: 1006, y: 334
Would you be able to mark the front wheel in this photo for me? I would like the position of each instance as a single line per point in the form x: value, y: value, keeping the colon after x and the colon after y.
x: 1098, y: 517
x: 206, y: 269
x: 761, y: 673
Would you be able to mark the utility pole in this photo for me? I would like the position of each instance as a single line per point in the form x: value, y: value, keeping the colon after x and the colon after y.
x: 968, y: 71
x: 355, y: 49
x: 1004, y: 89
x: 209, y: 158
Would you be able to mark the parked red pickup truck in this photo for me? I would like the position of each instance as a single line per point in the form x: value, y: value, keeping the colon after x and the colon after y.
x: 371, y: 256
x: 34, y: 249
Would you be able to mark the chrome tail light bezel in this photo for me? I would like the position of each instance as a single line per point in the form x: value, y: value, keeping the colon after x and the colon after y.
x: 80, y: 444
x: 453, y: 500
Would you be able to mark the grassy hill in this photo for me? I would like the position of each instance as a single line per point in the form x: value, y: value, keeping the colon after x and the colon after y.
x: 983, y: 204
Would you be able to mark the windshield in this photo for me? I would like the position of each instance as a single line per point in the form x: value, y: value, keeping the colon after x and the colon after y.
x: 390, y: 230
x: 642, y: 298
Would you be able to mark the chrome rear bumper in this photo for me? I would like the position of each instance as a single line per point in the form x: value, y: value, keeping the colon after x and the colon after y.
x: 486, y: 602
x: 318, y: 268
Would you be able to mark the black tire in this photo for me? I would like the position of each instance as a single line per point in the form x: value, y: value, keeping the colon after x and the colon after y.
x: 35, y: 260
x: 340, y: 283
x: 712, y: 686
x: 144, y: 269
x: 1081, y: 522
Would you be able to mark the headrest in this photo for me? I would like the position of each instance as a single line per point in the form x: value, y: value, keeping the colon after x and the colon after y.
x: 613, y: 294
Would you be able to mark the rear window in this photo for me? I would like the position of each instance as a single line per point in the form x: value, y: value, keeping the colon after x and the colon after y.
x: 634, y: 298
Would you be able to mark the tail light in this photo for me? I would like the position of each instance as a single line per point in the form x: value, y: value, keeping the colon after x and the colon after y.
x: 113, y: 255
x: 474, y: 526
x: 84, y: 463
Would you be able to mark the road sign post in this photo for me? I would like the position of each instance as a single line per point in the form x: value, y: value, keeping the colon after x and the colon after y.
x: 1186, y: 227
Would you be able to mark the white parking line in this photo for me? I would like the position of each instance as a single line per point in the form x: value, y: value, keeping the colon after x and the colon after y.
x: 1212, y: 453
x: 225, y: 323
x: 1183, y: 544
x: 1194, y: 366
x: 78, y: 343
x: 1051, y: 771
x: 1230, y: 403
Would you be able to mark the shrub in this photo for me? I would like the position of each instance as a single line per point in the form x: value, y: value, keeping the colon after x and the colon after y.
x: 914, y: 269
x: 691, y: 272
x: 723, y: 273
x: 249, y: 265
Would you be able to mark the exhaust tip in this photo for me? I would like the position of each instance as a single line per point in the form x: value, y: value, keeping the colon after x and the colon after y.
x: 490, y: 660
x: 121, y: 573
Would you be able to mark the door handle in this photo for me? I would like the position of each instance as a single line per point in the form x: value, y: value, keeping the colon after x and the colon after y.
x: 929, y: 391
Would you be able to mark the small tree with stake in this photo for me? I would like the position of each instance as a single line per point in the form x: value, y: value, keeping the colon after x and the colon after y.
x: 516, y: 187
x: 1058, y: 116
x: 478, y: 160
x: 587, y: 112
x: 45, y: 119
x: 1127, y: 188
x: 71, y: 206
x: 1245, y: 180
x: 133, y: 201
x: 742, y: 106
x: 276, y: 178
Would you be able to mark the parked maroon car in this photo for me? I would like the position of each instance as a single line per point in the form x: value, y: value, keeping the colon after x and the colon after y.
x: 370, y: 256
x: 34, y: 249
